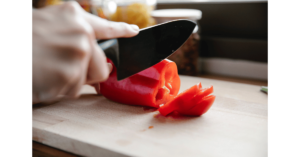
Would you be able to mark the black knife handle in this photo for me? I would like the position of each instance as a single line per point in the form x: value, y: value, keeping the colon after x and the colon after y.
x: 111, y: 50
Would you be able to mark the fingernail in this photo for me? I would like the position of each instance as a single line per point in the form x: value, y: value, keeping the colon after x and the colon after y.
x: 135, y: 27
x: 109, y: 67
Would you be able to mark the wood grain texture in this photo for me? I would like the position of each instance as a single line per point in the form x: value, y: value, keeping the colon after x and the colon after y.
x: 236, y: 125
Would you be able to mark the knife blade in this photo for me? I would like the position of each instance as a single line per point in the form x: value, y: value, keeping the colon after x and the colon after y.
x: 149, y: 47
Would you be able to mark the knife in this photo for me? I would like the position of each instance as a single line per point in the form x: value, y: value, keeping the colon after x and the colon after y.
x: 149, y: 47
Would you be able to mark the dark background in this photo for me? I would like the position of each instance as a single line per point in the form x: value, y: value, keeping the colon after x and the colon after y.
x: 231, y: 30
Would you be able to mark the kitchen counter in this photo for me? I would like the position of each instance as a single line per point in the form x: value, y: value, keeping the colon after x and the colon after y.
x: 236, y: 125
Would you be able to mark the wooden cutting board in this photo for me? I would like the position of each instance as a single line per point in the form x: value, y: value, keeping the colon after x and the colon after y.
x: 235, y: 126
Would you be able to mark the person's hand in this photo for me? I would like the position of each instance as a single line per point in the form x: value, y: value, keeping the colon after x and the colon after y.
x: 65, y: 53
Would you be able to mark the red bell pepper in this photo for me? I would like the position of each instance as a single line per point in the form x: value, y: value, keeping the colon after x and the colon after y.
x: 151, y: 87
x: 195, y: 101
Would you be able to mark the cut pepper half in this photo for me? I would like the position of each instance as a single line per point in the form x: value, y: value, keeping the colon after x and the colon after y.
x: 151, y: 87
x: 194, y: 101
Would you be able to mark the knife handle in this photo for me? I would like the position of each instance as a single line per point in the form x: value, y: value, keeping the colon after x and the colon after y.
x: 110, y: 49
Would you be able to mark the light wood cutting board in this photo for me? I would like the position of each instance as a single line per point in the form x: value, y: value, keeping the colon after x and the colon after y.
x: 235, y: 126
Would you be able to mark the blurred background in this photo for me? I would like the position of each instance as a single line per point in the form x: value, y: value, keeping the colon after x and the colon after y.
x: 230, y: 42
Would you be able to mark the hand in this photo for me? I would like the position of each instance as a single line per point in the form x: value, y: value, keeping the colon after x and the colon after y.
x: 65, y: 53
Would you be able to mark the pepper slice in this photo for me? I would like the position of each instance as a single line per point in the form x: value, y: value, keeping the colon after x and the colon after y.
x: 194, y: 101
x: 151, y: 87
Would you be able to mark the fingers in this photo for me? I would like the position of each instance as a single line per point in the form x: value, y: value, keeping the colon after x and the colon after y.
x: 105, y: 29
x: 74, y: 90
x: 98, y: 70
x: 97, y: 85
x: 73, y: 44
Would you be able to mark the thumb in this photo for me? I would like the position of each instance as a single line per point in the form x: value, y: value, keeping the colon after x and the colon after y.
x: 97, y: 85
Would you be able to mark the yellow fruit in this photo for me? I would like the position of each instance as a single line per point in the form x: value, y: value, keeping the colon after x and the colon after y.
x: 135, y: 13
x: 138, y: 14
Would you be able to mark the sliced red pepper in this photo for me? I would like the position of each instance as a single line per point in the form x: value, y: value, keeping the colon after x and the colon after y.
x: 194, y: 101
x: 151, y: 87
